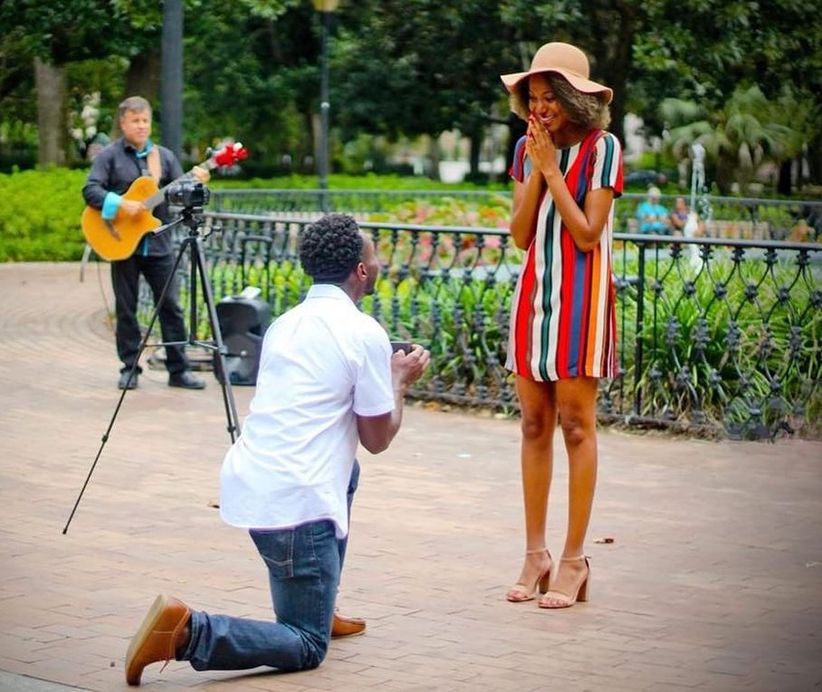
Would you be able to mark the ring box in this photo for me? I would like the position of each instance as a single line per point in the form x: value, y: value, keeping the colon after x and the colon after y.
x: 401, y: 346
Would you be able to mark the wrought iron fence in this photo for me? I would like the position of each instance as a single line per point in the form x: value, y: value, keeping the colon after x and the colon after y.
x: 723, y: 217
x: 714, y: 334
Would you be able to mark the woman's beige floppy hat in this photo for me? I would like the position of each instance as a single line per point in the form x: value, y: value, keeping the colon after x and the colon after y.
x: 564, y: 59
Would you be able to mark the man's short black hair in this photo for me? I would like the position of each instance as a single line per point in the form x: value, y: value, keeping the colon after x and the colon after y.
x: 331, y: 248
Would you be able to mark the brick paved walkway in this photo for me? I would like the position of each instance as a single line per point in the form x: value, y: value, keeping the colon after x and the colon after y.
x: 713, y: 581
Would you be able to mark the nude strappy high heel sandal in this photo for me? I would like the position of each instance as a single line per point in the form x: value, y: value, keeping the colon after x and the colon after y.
x: 519, y: 592
x: 558, y: 599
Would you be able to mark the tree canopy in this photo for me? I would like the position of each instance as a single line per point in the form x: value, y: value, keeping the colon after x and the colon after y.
x: 410, y: 67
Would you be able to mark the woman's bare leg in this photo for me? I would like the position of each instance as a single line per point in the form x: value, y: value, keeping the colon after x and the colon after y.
x: 576, y: 403
x: 539, y: 416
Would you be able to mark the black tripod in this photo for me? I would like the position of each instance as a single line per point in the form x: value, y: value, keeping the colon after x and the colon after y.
x: 192, y: 242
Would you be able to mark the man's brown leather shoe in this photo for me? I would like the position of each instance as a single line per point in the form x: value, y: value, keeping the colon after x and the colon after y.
x: 346, y: 627
x: 164, y: 630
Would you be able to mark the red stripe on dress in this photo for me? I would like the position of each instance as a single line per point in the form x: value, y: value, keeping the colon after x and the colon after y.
x: 522, y: 331
x: 566, y: 295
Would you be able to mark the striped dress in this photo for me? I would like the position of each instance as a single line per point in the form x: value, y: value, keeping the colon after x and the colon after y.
x: 563, y: 320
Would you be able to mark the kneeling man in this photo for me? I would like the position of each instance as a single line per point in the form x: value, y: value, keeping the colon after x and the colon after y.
x: 327, y: 381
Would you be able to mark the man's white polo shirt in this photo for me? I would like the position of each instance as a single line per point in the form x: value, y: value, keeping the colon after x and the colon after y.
x: 322, y: 362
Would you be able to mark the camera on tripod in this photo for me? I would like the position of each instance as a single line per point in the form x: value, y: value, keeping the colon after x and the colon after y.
x: 188, y: 193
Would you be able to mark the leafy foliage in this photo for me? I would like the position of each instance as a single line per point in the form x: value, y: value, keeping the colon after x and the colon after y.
x: 412, y: 67
x: 421, y: 66
x: 31, y: 230
x: 254, y: 82
x: 746, y: 131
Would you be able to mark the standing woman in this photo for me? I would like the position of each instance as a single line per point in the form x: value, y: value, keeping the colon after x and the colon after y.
x: 567, y: 172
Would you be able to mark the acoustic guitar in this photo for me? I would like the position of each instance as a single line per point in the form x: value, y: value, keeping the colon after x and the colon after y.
x: 118, y: 238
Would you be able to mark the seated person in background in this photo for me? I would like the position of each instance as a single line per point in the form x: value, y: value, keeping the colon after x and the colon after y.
x: 679, y: 216
x: 652, y: 216
x: 685, y: 222
x: 801, y: 232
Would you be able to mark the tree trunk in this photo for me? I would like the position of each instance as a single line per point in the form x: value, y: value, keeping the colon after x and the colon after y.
x: 815, y: 160
x: 725, y: 173
x: 142, y: 79
x: 143, y: 76
x: 783, y: 186
x: 433, y: 157
x: 317, y: 142
x: 618, y: 82
x: 615, y: 26
x: 50, y: 81
x: 516, y: 129
x: 475, y: 138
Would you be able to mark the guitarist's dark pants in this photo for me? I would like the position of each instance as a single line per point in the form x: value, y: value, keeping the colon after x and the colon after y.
x: 125, y: 277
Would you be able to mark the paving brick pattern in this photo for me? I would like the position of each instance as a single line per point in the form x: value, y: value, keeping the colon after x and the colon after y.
x: 713, y: 581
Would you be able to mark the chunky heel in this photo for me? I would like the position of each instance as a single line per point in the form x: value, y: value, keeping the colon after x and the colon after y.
x: 545, y: 582
x: 582, y: 594
x: 579, y: 590
x: 519, y: 592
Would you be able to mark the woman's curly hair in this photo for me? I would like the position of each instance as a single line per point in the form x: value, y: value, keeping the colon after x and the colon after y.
x: 588, y: 110
x: 330, y: 248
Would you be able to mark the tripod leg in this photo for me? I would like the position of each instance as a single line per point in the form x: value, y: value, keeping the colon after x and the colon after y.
x: 131, y: 372
x: 232, y: 418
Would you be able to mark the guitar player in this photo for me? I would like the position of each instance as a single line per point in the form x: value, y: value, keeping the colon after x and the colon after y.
x: 114, y: 169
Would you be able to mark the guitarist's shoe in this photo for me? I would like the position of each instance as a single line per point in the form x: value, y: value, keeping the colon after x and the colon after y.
x: 186, y: 380
x: 123, y: 382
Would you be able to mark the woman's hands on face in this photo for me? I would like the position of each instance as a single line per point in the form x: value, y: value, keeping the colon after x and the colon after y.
x: 539, y: 146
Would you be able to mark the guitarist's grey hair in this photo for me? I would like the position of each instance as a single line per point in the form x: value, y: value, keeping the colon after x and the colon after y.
x: 134, y: 104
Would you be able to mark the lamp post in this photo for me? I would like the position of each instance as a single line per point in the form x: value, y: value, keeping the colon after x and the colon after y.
x: 325, y: 8
x: 171, y: 76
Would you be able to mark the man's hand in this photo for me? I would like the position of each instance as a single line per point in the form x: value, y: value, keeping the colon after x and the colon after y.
x: 131, y: 207
x: 407, y: 368
x: 376, y: 432
x: 202, y: 174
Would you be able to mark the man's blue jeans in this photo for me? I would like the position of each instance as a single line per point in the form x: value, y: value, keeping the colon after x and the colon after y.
x: 304, y: 565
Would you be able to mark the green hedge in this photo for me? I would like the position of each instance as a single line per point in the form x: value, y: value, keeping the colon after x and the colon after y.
x: 40, y: 210
x: 40, y: 215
